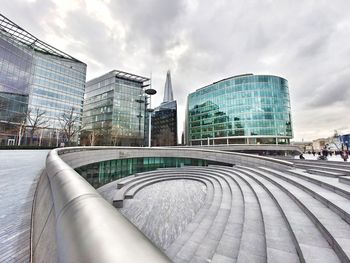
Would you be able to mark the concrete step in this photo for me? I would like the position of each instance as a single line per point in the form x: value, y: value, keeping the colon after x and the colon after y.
x: 228, y: 248
x: 253, y: 244
x: 342, y: 171
x: 341, y: 164
x: 190, y: 246
x: 193, y: 225
x: 332, y: 184
x: 333, y: 228
x: 324, y: 173
x: 209, y: 244
x: 310, y: 243
x: 280, y: 243
x: 344, y: 180
x: 158, y: 172
x: 336, y: 202
x: 133, y: 191
x: 129, y: 183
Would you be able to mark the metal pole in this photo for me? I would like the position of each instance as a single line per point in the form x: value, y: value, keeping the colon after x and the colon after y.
x: 57, y: 134
x: 149, y: 123
x: 149, y: 128
x: 19, y: 135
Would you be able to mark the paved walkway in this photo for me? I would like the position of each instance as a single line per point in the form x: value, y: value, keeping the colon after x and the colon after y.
x: 19, y: 170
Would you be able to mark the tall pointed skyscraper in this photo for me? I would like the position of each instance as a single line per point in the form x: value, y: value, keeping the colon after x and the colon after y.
x: 168, y: 89
x: 164, y: 118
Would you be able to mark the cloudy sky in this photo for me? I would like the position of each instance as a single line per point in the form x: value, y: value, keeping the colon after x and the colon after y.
x: 306, y: 42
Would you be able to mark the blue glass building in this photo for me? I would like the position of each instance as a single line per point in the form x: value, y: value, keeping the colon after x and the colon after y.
x: 36, y: 78
x: 244, y: 109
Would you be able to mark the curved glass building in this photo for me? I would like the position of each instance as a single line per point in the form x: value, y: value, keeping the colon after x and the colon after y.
x: 244, y: 109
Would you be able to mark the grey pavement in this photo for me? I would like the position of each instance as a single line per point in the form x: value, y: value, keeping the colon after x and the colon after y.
x: 19, y: 170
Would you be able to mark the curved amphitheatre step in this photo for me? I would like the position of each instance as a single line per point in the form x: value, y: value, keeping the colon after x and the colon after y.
x: 280, y: 242
x: 229, y: 244
x: 316, y: 168
x: 333, y: 184
x: 224, y: 237
x: 324, y: 173
x: 207, y: 247
x: 133, y: 191
x: 208, y: 229
x: 187, y: 249
x: 158, y: 172
x: 253, y: 244
x: 344, y: 180
x: 334, y: 201
x: 223, y: 241
x: 309, y: 242
x: 141, y: 182
x: 324, y: 163
x: 333, y: 229
x: 205, y: 240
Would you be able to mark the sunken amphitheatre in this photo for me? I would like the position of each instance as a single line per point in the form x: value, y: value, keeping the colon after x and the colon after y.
x: 182, y: 204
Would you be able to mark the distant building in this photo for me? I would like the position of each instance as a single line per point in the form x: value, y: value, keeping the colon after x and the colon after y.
x: 304, y: 146
x: 164, y: 118
x: 244, y: 109
x: 114, y: 110
x: 334, y: 143
x: 345, y: 141
x: 36, y: 79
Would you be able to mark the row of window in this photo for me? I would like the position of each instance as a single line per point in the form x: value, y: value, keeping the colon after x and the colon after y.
x: 242, y: 132
x: 245, y: 82
x: 58, y: 78
x: 56, y: 95
x: 60, y: 67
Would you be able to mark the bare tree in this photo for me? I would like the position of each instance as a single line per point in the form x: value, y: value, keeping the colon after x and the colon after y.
x: 70, y: 123
x: 35, y: 120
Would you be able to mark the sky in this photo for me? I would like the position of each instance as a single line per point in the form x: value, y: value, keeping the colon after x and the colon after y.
x: 200, y: 42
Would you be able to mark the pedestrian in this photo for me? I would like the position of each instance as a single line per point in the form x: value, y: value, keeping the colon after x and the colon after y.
x: 345, y: 155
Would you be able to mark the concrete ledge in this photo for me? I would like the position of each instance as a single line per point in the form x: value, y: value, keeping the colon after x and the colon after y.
x: 324, y: 173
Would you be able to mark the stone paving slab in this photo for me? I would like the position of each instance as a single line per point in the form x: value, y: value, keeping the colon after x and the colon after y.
x: 19, y: 170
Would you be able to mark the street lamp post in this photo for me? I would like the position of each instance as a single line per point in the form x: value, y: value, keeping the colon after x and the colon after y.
x: 150, y: 92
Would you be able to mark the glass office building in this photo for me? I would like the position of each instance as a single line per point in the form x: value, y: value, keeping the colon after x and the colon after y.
x: 36, y: 78
x: 114, y: 110
x: 164, y: 118
x: 244, y: 109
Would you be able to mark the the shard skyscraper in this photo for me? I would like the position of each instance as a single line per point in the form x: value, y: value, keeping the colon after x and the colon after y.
x: 164, y: 118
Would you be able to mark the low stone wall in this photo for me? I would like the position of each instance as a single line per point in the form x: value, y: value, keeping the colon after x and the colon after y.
x: 73, y: 223
x: 80, y: 156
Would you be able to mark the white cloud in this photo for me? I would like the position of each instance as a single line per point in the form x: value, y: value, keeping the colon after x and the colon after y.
x: 204, y: 41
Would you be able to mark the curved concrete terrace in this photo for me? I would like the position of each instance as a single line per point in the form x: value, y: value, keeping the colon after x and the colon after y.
x: 72, y: 223
x: 251, y: 214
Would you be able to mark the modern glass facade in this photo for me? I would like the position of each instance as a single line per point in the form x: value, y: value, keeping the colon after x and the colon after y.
x: 164, y: 118
x: 245, y: 109
x: 114, y: 110
x: 98, y: 174
x: 36, y: 78
x: 164, y: 125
